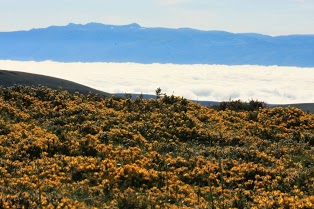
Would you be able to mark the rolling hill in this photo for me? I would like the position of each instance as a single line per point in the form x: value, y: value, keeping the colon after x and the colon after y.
x: 11, y: 78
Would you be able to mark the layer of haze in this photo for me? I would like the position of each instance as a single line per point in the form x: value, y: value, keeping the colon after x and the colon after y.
x: 272, y: 17
x: 273, y: 84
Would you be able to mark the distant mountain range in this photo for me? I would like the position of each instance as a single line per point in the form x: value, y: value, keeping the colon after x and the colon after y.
x: 95, y: 42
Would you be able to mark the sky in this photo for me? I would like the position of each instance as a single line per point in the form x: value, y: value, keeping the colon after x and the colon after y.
x: 271, y: 17
x: 271, y: 84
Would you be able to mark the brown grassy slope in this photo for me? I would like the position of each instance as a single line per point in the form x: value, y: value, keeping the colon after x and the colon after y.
x: 10, y: 78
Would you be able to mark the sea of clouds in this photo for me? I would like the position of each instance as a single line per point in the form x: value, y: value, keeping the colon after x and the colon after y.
x: 271, y: 84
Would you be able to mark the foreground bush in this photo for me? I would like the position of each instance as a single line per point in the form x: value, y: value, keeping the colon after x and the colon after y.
x: 238, y: 105
x: 59, y: 149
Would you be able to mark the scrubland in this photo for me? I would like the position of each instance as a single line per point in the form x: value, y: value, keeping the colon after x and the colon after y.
x: 62, y: 150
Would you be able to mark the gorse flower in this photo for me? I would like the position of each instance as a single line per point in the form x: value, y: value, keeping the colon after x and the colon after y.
x: 61, y: 150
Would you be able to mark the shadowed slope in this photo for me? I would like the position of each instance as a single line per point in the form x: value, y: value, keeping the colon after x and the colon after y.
x: 307, y: 107
x: 10, y: 78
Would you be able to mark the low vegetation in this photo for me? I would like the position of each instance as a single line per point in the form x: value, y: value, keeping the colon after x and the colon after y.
x: 238, y: 105
x: 62, y: 150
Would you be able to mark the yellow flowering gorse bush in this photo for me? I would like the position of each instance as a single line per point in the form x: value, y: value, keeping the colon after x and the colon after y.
x: 61, y: 150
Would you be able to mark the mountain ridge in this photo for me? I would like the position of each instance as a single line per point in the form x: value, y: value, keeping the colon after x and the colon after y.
x: 136, y: 25
x: 96, y: 42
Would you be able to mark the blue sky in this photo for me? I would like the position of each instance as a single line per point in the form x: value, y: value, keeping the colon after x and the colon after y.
x: 273, y: 17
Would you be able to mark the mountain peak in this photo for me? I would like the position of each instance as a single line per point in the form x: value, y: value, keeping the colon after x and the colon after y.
x: 100, y: 26
x: 134, y: 25
x: 91, y: 25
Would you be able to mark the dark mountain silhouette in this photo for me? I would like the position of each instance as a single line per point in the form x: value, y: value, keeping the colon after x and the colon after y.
x: 11, y: 78
x: 96, y: 42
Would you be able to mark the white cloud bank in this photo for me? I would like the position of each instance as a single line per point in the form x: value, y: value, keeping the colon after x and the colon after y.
x: 273, y: 84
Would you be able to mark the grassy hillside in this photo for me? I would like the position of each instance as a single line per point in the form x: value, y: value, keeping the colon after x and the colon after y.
x: 11, y: 78
x: 61, y: 150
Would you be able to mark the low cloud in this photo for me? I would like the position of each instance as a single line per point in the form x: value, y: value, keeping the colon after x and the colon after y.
x: 273, y: 84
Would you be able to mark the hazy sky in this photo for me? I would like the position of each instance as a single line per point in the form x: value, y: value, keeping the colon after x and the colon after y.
x: 273, y: 17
